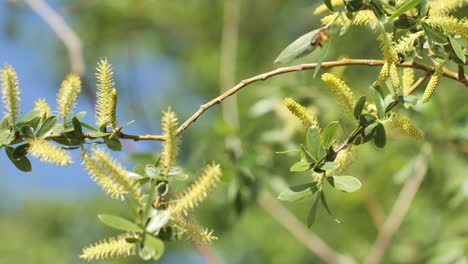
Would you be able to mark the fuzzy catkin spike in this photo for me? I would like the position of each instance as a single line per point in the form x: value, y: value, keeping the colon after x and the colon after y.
x: 342, y: 91
x: 106, y: 83
x: 394, y: 77
x: 362, y: 18
x: 449, y: 24
x: 110, y: 175
x: 193, y: 195
x: 387, y: 47
x: 445, y: 6
x: 43, y: 107
x: 113, y: 112
x: 323, y: 8
x: 194, y: 231
x: 47, y: 152
x: 408, y: 79
x: 344, y: 158
x: 432, y: 85
x: 67, y: 95
x: 110, y: 248
x: 171, y: 141
x: 10, y: 93
x: 304, y: 115
x: 384, y: 72
x: 405, y: 123
x: 406, y: 45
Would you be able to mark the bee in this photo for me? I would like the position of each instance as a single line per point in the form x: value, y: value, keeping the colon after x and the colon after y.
x: 401, y: 57
x: 320, y: 37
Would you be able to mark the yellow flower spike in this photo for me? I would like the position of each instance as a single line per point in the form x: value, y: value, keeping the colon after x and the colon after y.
x: 344, y: 158
x: 323, y: 8
x: 432, y: 85
x: 104, y: 96
x: 67, y: 95
x: 445, y: 6
x: 113, y: 112
x: 47, y: 152
x: 305, y: 116
x: 449, y: 24
x: 384, y: 72
x: 408, y: 79
x: 194, y: 231
x: 10, y: 93
x: 406, y: 45
x: 110, y: 175
x: 405, y: 124
x: 110, y: 248
x: 341, y: 90
x: 43, y: 107
x: 193, y: 195
x: 362, y: 18
x: 394, y: 77
x: 170, y: 148
x: 387, y: 47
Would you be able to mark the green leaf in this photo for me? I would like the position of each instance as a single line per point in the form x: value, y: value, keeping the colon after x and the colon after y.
x: 313, y: 142
x: 313, y: 212
x: 344, y: 183
x: 119, y: 223
x: 405, y: 23
x: 457, y: 49
x: 410, y: 99
x: 77, y: 129
x: 378, y: 100
x: 380, y: 138
x: 98, y: 134
x: 434, y: 34
x: 68, y: 141
x: 361, y: 102
x: 23, y: 164
x: 405, y: 8
x: 323, y: 53
x: 367, y: 119
x: 20, y: 151
x: 26, y: 131
x: 78, y: 116
x: 29, y: 117
x: 88, y: 126
x: 288, y: 151
x: 6, y: 137
x: 329, y: 134
x: 325, y: 205
x: 113, y: 143
x: 328, y: 3
x: 423, y: 8
x: 330, y: 165
x: 301, y: 166
x: 298, y: 193
x: 47, y: 127
x: 153, y: 248
x: 370, y: 130
x: 5, y: 123
x: 299, y: 48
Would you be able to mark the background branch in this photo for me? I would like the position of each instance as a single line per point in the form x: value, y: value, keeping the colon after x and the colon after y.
x: 398, y: 213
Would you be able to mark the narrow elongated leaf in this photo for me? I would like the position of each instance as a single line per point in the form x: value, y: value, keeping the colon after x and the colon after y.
x: 361, y: 102
x: 288, y: 151
x: 313, y: 142
x: 301, y: 166
x: 23, y: 164
x: 434, y: 34
x: 20, y: 151
x: 29, y: 117
x: 457, y: 49
x: 378, y: 100
x: 119, y: 223
x: 153, y: 248
x: 405, y: 23
x: 344, y: 183
x: 325, y: 205
x: 298, y: 193
x: 423, y: 8
x: 299, y: 48
x: 5, y: 123
x: 47, y: 127
x: 328, y: 3
x: 329, y: 134
x: 380, y: 138
x: 323, y: 53
x: 98, y: 134
x: 313, y: 212
x: 330, y: 165
x: 88, y: 126
x: 405, y: 8
x: 113, y: 143
x: 6, y: 136
x: 367, y: 119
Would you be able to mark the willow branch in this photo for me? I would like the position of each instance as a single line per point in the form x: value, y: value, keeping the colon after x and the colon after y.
x: 418, y: 83
x: 398, y: 213
x: 300, y: 232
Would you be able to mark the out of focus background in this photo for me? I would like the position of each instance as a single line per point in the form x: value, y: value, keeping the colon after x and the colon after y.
x: 182, y: 54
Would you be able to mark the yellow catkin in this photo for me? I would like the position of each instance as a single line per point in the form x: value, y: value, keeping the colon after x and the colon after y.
x: 408, y: 79
x: 110, y: 248
x: 361, y: 18
x: 432, y: 85
x: 105, y: 181
x: 193, y: 195
x: 449, y: 24
x: 47, y: 152
x: 113, y: 105
x: 304, y: 115
x: 322, y: 8
x: 170, y: 148
x: 384, y: 72
x: 342, y: 91
x: 344, y: 158
x: 405, y: 124
x: 43, y: 107
x: 67, y: 95
x: 406, y: 45
x: 446, y: 6
x: 10, y: 92
x: 115, y: 171
x: 394, y: 77
x: 194, y: 231
x: 387, y: 47
x: 106, y: 83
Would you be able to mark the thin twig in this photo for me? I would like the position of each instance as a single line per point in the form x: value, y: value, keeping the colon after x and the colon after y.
x: 398, y: 213
x: 418, y: 83
x: 299, y: 231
